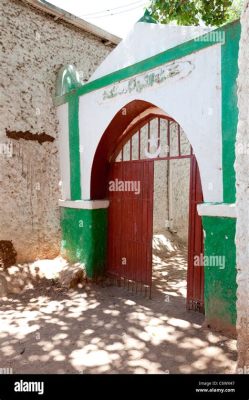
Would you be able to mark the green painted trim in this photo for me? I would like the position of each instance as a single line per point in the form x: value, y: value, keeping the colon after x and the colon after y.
x: 175, y: 53
x: 74, y: 148
x: 220, y: 283
x: 229, y: 74
x: 84, y: 238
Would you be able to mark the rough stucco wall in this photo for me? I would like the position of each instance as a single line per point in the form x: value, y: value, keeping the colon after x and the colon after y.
x: 179, y: 197
x: 179, y: 180
x: 242, y: 186
x: 34, y: 48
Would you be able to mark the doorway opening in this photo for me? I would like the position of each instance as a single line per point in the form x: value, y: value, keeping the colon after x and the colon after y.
x: 154, y: 231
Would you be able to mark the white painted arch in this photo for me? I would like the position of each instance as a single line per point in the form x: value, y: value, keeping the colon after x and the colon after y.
x: 193, y: 99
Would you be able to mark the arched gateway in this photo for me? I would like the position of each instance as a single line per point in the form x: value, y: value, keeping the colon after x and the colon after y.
x: 127, y: 180
x: 176, y: 74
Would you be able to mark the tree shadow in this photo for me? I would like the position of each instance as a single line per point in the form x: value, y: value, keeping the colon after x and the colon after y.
x: 107, y: 329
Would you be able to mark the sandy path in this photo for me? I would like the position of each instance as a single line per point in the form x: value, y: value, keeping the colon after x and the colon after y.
x: 109, y: 330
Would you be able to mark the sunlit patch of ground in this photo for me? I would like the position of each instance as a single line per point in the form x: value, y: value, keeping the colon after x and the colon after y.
x: 110, y: 330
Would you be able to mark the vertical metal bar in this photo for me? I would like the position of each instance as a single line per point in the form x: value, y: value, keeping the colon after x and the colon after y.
x: 139, y: 144
x: 143, y: 195
x: 168, y: 138
x: 168, y: 175
x: 151, y: 202
x: 146, y: 201
x: 123, y: 221
x: 131, y: 149
x: 136, y: 213
x: 179, y: 140
x: 149, y: 136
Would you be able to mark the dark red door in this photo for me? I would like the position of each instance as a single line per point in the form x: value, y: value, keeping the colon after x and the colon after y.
x: 195, y: 276
x: 131, y: 221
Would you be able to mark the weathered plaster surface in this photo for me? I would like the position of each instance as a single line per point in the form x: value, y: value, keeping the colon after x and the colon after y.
x: 179, y: 197
x: 171, y: 197
x: 34, y: 48
x: 171, y: 187
x: 242, y: 187
x: 29, y: 189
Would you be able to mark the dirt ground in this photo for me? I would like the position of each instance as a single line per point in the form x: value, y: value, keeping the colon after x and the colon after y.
x: 111, y: 330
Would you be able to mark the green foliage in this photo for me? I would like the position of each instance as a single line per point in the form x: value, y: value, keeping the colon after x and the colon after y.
x: 192, y: 12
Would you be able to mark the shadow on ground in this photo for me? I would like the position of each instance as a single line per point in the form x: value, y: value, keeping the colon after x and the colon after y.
x: 110, y: 330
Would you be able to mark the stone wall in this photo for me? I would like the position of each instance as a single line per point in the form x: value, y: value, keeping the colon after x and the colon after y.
x: 242, y: 185
x: 35, y: 46
x: 171, y: 193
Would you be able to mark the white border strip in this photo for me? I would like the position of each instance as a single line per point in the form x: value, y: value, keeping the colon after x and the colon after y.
x: 217, y: 210
x: 84, y: 204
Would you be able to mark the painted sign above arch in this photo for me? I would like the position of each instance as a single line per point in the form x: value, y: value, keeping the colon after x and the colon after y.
x: 174, y: 71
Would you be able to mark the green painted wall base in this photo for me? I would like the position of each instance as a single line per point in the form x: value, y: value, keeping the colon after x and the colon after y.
x: 220, y: 280
x: 84, y: 238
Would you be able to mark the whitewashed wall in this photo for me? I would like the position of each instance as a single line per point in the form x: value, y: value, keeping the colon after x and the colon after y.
x: 194, y: 102
x: 156, y: 38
